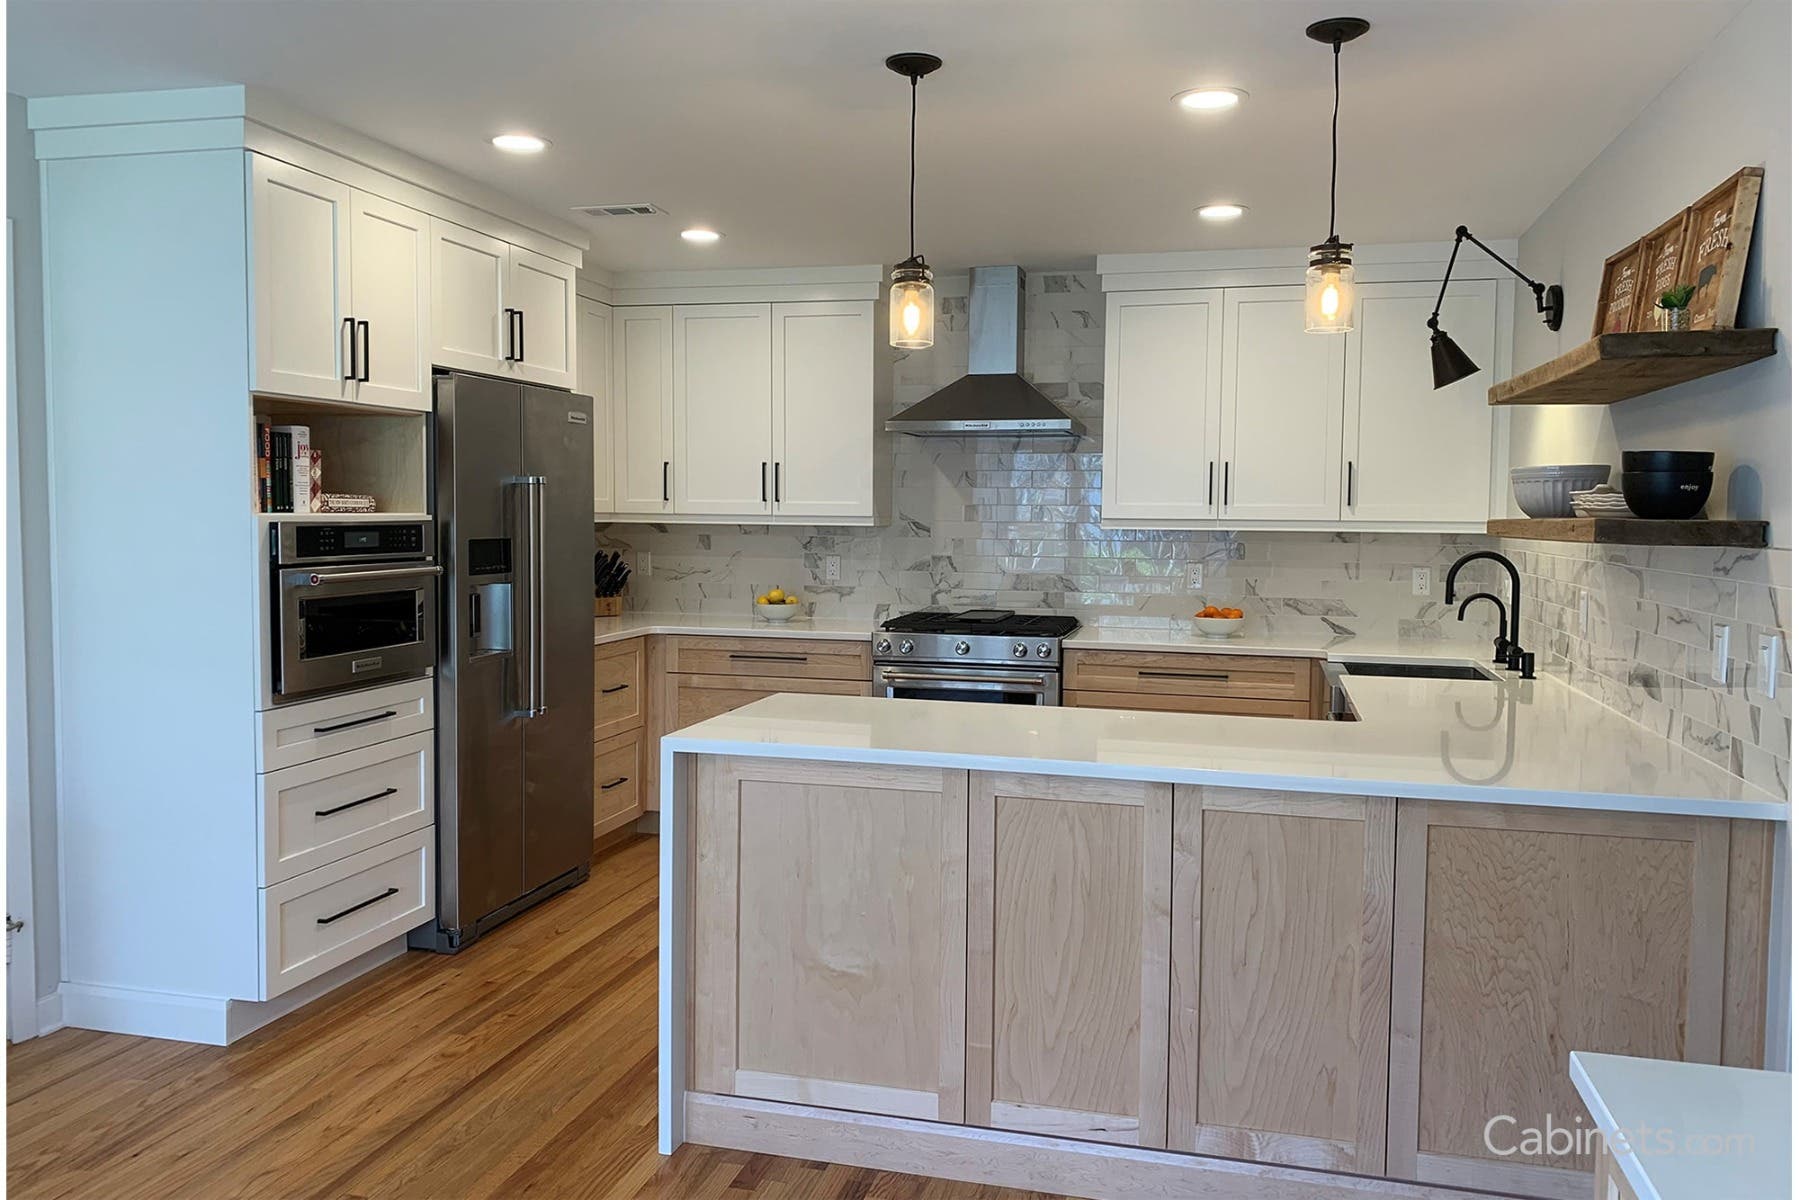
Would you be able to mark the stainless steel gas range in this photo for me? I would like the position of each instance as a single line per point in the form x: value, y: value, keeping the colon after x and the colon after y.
x: 984, y: 655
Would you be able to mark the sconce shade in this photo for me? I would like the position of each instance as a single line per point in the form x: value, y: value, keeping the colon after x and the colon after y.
x: 1448, y: 364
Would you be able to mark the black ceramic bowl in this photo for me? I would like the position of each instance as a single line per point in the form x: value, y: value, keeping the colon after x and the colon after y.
x: 1668, y: 460
x: 1666, y: 495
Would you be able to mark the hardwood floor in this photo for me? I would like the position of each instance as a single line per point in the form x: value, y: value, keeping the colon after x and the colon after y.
x: 524, y: 1066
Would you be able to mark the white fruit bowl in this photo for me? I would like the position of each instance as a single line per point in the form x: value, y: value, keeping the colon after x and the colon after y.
x: 777, y: 612
x: 1218, y: 627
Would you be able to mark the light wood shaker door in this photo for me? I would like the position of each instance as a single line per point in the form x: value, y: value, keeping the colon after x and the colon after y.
x: 1521, y: 934
x: 824, y: 419
x: 724, y: 416
x: 830, y: 935
x: 468, y: 299
x: 618, y: 688
x: 390, y: 286
x: 1161, y: 410
x: 617, y: 781
x: 299, y: 281
x: 643, y: 408
x: 1281, y: 958
x: 543, y: 291
x: 1420, y: 453
x: 1068, y: 957
x: 1281, y: 445
x: 593, y: 375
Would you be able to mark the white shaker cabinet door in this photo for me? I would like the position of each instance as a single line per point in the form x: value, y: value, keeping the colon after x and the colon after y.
x: 1415, y: 453
x: 1161, y: 409
x: 724, y: 424
x: 542, y: 290
x: 468, y: 299
x: 593, y: 362
x: 643, y: 409
x: 1282, y: 427
x: 824, y: 365
x: 390, y: 288
x: 300, y: 281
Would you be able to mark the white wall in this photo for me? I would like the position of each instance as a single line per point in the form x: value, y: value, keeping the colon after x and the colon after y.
x: 1729, y: 109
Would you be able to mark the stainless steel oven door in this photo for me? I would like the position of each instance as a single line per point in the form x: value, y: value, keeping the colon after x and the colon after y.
x: 343, y: 627
x: 979, y: 685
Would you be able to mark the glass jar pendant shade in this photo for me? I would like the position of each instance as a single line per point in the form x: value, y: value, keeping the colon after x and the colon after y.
x: 911, y: 301
x: 1330, y: 271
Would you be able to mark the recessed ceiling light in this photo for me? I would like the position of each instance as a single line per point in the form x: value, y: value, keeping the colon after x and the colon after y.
x: 1220, y: 212
x: 1210, y: 99
x: 701, y: 237
x: 519, y: 143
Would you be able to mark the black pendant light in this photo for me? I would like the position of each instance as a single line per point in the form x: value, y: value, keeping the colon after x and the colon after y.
x: 1330, y: 272
x: 911, y: 303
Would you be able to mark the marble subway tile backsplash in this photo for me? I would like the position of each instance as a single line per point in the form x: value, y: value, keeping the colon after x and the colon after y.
x: 1014, y: 523
x: 1646, y: 645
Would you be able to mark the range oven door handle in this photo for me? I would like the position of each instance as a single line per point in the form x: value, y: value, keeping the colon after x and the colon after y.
x: 1017, y: 683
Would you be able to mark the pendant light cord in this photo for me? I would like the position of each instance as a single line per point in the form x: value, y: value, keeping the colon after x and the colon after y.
x: 912, y: 181
x: 1336, y: 103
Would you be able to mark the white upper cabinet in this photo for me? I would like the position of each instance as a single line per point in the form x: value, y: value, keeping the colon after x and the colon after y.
x: 1282, y: 428
x: 724, y: 416
x: 593, y: 359
x: 390, y: 290
x: 1161, y: 417
x: 1418, y: 454
x: 468, y: 299
x: 541, y: 293
x: 643, y: 408
x: 300, y: 282
x: 824, y: 430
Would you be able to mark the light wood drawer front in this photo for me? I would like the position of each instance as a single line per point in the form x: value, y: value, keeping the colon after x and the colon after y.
x: 1229, y: 706
x: 323, y: 810
x: 328, y: 916
x: 1244, y: 676
x: 302, y: 732
x: 617, y: 781
x: 785, y: 658
x: 617, y: 688
x: 695, y: 698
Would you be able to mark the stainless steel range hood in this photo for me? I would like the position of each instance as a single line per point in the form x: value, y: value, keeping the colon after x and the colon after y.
x: 993, y: 397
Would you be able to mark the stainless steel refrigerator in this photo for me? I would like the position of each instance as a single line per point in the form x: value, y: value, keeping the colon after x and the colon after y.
x: 514, y: 488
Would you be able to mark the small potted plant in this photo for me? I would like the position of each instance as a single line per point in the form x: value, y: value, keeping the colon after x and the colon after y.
x: 1672, y: 308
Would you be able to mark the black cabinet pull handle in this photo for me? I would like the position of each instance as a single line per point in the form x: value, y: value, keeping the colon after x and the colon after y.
x: 617, y: 687
x: 770, y: 657
x: 350, y: 350
x: 381, y: 795
x: 363, y: 376
x: 1349, y: 487
x: 338, y: 916
x: 665, y: 481
x: 511, y: 328
x: 1182, y: 675
x: 1227, y: 483
x: 1211, y: 471
x: 777, y: 483
x: 353, y: 724
x: 606, y: 787
x: 521, y: 335
x: 765, y: 483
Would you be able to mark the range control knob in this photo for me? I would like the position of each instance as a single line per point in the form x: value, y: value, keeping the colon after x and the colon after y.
x: 1043, y: 650
x: 961, y: 647
x: 1019, y: 650
x: 883, y: 646
x: 906, y: 646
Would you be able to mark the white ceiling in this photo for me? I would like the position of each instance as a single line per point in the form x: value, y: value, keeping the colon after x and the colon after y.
x: 1047, y: 137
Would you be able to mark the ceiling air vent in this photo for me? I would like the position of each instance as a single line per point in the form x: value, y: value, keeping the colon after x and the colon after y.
x: 619, y: 210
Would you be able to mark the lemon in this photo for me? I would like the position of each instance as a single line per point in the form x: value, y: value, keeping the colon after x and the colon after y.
x: 792, y: 600
x: 776, y: 596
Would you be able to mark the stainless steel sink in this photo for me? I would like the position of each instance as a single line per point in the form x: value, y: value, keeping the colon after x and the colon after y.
x: 1418, y: 670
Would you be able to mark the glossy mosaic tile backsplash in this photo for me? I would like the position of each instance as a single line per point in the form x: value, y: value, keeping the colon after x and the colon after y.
x: 1015, y: 523
x: 1646, y: 646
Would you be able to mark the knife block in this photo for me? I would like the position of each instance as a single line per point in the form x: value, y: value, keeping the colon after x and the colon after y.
x: 608, y: 606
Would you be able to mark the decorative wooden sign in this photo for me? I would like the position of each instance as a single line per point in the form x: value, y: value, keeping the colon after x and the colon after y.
x: 1663, y: 253
x: 1618, y: 288
x: 1717, y: 248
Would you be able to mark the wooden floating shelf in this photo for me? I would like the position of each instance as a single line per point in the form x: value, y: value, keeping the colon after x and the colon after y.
x: 1617, y: 366
x: 1633, y: 531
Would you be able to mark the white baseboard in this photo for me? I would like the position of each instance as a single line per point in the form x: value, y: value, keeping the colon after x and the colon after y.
x: 49, y: 1013
x: 210, y: 1020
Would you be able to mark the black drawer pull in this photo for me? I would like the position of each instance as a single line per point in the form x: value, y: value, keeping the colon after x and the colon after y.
x: 800, y: 658
x: 358, y: 907
x: 1182, y: 675
x: 606, y: 787
x: 617, y: 687
x: 381, y: 795
x: 342, y: 725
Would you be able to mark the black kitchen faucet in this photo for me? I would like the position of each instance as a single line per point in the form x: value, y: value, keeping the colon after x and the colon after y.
x: 1517, y: 658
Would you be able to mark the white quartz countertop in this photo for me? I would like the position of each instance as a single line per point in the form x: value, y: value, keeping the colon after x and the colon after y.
x: 1511, y: 742
x: 1688, y: 1131
x: 618, y: 629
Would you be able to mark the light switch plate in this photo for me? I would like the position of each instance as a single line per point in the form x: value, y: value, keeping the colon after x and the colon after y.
x: 644, y: 567
x: 1721, y: 653
x: 1196, y: 576
x: 1421, y: 581
x: 833, y: 568
x: 1767, y: 657
x: 1585, y: 611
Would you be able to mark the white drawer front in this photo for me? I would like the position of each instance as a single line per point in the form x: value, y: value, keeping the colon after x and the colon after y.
x: 302, y: 732
x: 323, y: 810
x: 328, y: 916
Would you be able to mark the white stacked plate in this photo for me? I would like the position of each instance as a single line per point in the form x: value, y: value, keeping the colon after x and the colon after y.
x: 1602, y: 501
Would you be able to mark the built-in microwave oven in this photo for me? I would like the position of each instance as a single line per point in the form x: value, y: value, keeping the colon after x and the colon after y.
x: 350, y: 604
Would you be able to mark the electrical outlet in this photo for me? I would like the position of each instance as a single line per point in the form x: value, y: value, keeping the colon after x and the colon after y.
x: 1767, y: 657
x: 833, y: 568
x: 644, y: 567
x: 1586, y: 611
x: 1196, y: 576
x: 1721, y: 653
x: 1421, y: 581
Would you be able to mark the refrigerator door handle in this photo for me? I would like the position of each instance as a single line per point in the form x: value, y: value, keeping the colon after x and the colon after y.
x: 528, y: 655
